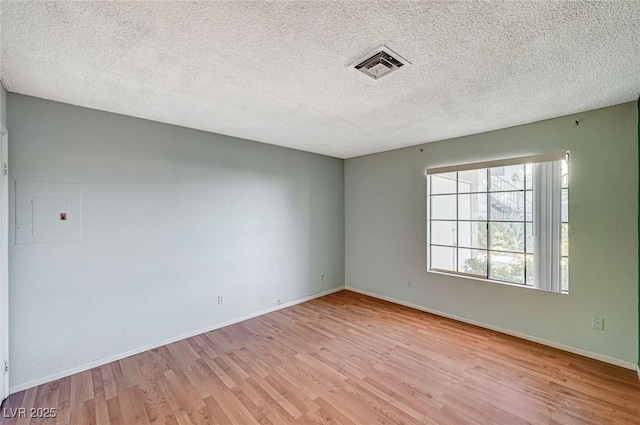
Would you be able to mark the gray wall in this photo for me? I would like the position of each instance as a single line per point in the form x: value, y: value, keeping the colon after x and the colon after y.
x: 173, y: 218
x: 385, y: 232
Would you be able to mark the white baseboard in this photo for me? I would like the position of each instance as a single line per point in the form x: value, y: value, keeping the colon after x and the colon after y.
x: 87, y: 366
x: 575, y: 350
x: 34, y: 383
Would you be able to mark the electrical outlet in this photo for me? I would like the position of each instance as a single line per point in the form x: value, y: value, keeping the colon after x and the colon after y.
x: 597, y: 323
x: 322, y: 278
x: 409, y: 284
x: 279, y: 302
x: 220, y: 300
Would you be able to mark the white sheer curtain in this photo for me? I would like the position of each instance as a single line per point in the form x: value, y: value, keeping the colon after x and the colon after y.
x: 547, y: 202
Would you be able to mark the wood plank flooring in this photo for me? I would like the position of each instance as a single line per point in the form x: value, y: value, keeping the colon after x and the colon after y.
x: 342, y: 359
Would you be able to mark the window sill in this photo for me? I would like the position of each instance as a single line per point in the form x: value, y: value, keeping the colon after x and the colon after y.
x: 498, y: 282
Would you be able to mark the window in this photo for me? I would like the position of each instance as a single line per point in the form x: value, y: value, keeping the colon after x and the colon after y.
x: 505, y: 221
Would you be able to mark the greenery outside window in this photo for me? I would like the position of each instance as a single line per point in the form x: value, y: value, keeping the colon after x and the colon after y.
x: 506, y: 221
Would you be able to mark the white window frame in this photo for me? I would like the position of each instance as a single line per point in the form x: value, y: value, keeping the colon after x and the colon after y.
x: 547, y: 189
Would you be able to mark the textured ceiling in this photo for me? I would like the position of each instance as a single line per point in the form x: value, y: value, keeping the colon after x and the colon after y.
x: 277, y: 72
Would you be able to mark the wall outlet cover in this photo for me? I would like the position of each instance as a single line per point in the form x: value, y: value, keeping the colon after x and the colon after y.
x: 597, y: 323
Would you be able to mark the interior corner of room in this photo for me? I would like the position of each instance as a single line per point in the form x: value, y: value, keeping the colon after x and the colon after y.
x: 168, y: 229
x: 180, y: 231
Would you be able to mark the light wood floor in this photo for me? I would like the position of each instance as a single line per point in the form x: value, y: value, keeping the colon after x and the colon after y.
x: 343, y: 359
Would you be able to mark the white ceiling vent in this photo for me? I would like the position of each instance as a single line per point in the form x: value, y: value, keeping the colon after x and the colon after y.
x: 382, y: 61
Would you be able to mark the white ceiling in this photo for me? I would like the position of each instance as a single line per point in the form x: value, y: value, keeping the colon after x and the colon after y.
x: 277, y: 72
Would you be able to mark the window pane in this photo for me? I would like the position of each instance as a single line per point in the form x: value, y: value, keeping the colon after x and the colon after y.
x: 443, y: 207
x: 472, y: 261
x: 565, y: 275
x: 506, y: 236
x: 565, y: 205
x: 472, y: 234
x: 506, y: 267
x: 530, y: 269
x: 443, y: 258
x: 530, y: 240
x: 472, y: 207
x: 482, y: 223
x: 443, y: 183
x: 528, y: 205
x: 472, y: 181
x: 443, y: 233
x: 507, y: 206
x: 528, y: 168
x: 510, y: 177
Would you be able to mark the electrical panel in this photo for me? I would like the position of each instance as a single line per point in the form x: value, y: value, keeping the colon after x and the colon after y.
x: 48, y: 212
